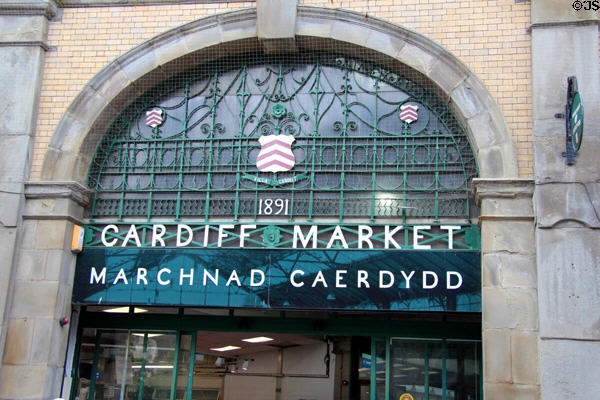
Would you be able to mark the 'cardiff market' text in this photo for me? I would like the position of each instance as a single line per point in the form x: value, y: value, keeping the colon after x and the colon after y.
x: 307, y: 237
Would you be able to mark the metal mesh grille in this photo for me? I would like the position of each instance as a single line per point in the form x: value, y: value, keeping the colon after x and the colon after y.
x: 302, y: 136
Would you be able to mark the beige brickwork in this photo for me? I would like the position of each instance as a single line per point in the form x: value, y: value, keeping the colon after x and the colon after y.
x: 490, y: 37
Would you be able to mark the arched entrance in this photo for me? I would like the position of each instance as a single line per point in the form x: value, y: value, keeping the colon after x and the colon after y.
x: 82, y: 127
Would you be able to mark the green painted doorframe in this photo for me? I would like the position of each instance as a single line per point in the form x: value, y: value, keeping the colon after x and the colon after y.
x: 382, y: 331
x: 177, y: 349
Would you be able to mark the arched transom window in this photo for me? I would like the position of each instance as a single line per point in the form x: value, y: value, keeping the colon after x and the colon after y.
x: 304, y: 137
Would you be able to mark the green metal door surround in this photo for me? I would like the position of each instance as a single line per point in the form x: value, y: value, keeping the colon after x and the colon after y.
x: 426, y: 369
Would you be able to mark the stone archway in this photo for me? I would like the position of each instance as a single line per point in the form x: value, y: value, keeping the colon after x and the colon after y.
x: 87, y: 118
x: 509, y: 305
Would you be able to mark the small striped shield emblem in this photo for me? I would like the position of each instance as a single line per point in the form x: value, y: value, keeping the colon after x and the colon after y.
x: 275, y: 153
x: 154, y: 117
x: 408, y: 113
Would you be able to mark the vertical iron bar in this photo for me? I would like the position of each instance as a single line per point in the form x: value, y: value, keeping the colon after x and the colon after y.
x: 94, y: 366
x: 437, y: 177
x: 152, y: 176
x: 190, y: 382
x: 124, y: 159
x: 373, y: 391
x: 344, y: 135
x: 405, y: 177
x: 210, y: 149
x: 75, y: 363
x: 374, y: 164
x: 426, y: 371
x: 182, y: 155
x: 142, y: 368
x: 388, y: 372
x: 124, y: 374
x: 316, y: 92
x: 243, y: 94
x: 444, y: 378
x: 175, y: 366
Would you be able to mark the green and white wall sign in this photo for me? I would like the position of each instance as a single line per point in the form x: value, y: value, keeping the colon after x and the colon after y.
x: 414, y: 280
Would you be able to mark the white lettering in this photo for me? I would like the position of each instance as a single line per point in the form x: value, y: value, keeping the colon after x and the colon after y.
x: 365, y: 238
x: 214, y: 279
x: 338, y: 234
x: 158, y: 236
x: 233, y: 277
x: 206, y: 230
x: 435, y: 279
x: 243, y: 233
x: 319, y: 278
x: 407, y: 278
x: 223, y: 234
x: 141, y: 275
x: 449, y: 275
x: 362, y: 278
x: 190, y: 233
x: 159, y: 276
x: 121, y: 275
x: 95, y: 278
x: 294, y: 283
x: 339, y: 278
x: 183, y: 275
x: 132, y: 234
x: 312, y: 233
x: 450, y: 229
x: 103, y: 236
x: 253, y: 275
x: 389, y: 237
x: 381, y: 279
x: 417, y: 236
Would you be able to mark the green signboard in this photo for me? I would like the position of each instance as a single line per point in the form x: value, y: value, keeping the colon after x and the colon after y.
x: 409, y: 280
x: 573, y: 120
x: 576, y: 122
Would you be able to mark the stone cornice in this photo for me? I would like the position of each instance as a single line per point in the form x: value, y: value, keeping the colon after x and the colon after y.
x: 552, y: 24
x: 59, y: 189
x: 47, y: 8
x: 26, y: 43
x: 502, y: 188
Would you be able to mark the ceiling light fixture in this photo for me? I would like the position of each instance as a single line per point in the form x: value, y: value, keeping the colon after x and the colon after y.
x: 226, y: 348
x: 150, y: 335
x: 124, y: 310
x: 258, y: 339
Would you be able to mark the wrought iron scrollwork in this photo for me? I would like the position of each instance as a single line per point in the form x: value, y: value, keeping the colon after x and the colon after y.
x: 352, y: 155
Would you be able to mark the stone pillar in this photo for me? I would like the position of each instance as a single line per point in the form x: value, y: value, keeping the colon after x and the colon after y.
x: 41, y: 292
x: 23, y: 29
x: 509, y: 295
x: 567, y: 201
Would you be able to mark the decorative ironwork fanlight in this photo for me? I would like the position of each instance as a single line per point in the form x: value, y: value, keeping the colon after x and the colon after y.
x: 307, y: 136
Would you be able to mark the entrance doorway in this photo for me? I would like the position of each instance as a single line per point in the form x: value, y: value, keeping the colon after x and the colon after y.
x: 292, y: 364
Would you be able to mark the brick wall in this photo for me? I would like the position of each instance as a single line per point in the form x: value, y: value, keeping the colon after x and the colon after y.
x: 490, y: 37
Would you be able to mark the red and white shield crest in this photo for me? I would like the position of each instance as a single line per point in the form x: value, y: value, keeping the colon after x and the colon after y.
x: 408, y: 113
x: 275, y: 153
x: 154, y: 117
